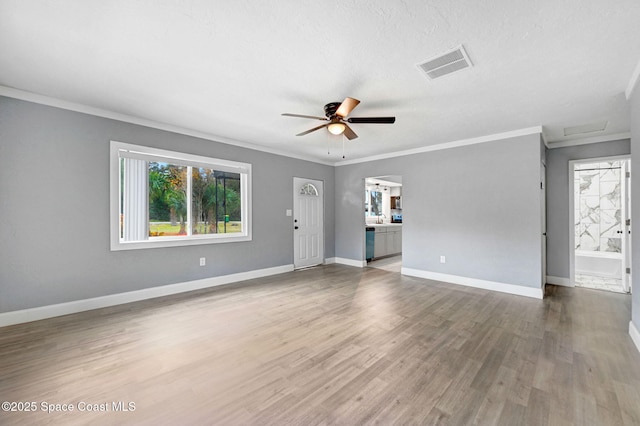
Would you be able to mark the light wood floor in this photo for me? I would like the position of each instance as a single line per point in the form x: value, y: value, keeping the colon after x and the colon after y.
x: 333, y: 345
x: 390, y: 264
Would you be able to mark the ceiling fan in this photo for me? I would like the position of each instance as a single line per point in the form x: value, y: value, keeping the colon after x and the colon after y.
x: 336, y: 116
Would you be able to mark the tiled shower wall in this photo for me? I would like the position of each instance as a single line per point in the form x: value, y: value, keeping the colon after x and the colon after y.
x: 598, y: 208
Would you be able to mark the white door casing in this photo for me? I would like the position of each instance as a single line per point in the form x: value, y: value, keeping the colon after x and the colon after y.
x: 625, y: 184
x: 308, y: 222
x: 543, y: 216
x: 625, y: 228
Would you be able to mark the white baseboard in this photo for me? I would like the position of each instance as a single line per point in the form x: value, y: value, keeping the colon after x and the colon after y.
x: 50, y: 311
x: 635, y: 334
x: 565, y: 282
x: 350, y: 262
x: 477, y: 283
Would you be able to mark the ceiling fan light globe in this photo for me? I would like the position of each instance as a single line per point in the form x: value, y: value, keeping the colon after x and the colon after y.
x: 336, y: 128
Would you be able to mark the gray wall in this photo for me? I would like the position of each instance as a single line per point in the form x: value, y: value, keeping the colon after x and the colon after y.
x: 635, y: 204
x: 54, y: 207
x: 558, y: 226
x: 478, y: 205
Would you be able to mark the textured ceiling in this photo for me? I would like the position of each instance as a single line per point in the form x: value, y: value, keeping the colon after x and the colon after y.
x: 230, y: 68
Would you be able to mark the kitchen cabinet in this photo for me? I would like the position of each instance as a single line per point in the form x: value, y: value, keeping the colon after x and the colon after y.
x: 388, y: 240
x: 394, y: 241
x: 380, y: 242
x: 396, y: 203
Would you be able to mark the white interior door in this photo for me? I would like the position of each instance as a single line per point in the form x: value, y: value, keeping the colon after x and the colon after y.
x: 308, y: 222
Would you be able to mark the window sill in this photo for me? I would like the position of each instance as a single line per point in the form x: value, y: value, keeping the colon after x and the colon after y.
x: 176, y: 242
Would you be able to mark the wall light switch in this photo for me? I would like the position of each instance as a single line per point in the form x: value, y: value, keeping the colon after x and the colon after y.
x: 443, y: 259
x: 288, y: 212
x: 203, y: 261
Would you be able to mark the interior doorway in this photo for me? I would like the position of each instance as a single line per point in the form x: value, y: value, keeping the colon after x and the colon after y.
x: 600, y: 217
x: 308, y: 222
x: 383, y: 218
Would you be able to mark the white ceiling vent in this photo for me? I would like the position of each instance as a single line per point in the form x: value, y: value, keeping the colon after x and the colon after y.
x: 447, y: 63
x: 586, y: 128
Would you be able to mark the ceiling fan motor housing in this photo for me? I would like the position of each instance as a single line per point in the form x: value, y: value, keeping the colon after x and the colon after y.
x: 331, y: 108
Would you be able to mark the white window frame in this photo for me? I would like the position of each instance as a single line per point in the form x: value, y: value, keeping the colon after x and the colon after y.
x: 118, y: 149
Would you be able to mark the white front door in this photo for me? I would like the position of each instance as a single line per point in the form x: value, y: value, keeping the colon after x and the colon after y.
x: 308, y: 223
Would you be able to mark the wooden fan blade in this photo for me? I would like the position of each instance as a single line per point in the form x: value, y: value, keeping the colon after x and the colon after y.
x: 347, y: 106
x: 372, y: 120
x: 350, y: 134
x: 305, y: 116
x: 312, y: 130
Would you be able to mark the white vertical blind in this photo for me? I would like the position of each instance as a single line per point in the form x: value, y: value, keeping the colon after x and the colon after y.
x: 135, y: 203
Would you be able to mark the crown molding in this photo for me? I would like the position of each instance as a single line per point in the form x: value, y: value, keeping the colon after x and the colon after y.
x: 98, y: 112
x: 85, y: 109
x: 447, y: 145
x: 585, y: 141
x: 633, y: 82
x: 545, y: 139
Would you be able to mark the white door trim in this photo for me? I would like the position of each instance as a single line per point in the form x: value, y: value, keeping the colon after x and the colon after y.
x: 572, y: 239
x: 625, y: 194
x: 543, y: 217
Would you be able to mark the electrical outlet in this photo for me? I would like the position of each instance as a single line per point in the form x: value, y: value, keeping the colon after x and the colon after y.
x: 443, y: 259
x: 203, y: 261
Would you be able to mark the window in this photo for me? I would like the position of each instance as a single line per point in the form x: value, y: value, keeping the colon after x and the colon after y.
x: 372, y: 203
x: 162, y: 198
x: 308, y: 189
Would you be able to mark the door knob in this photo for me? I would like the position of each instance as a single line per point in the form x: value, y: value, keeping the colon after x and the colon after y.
x: 295, y: 227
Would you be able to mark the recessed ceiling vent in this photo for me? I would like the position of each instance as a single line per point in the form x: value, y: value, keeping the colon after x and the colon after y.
x: 586, y: 128
x: 447, y: 63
